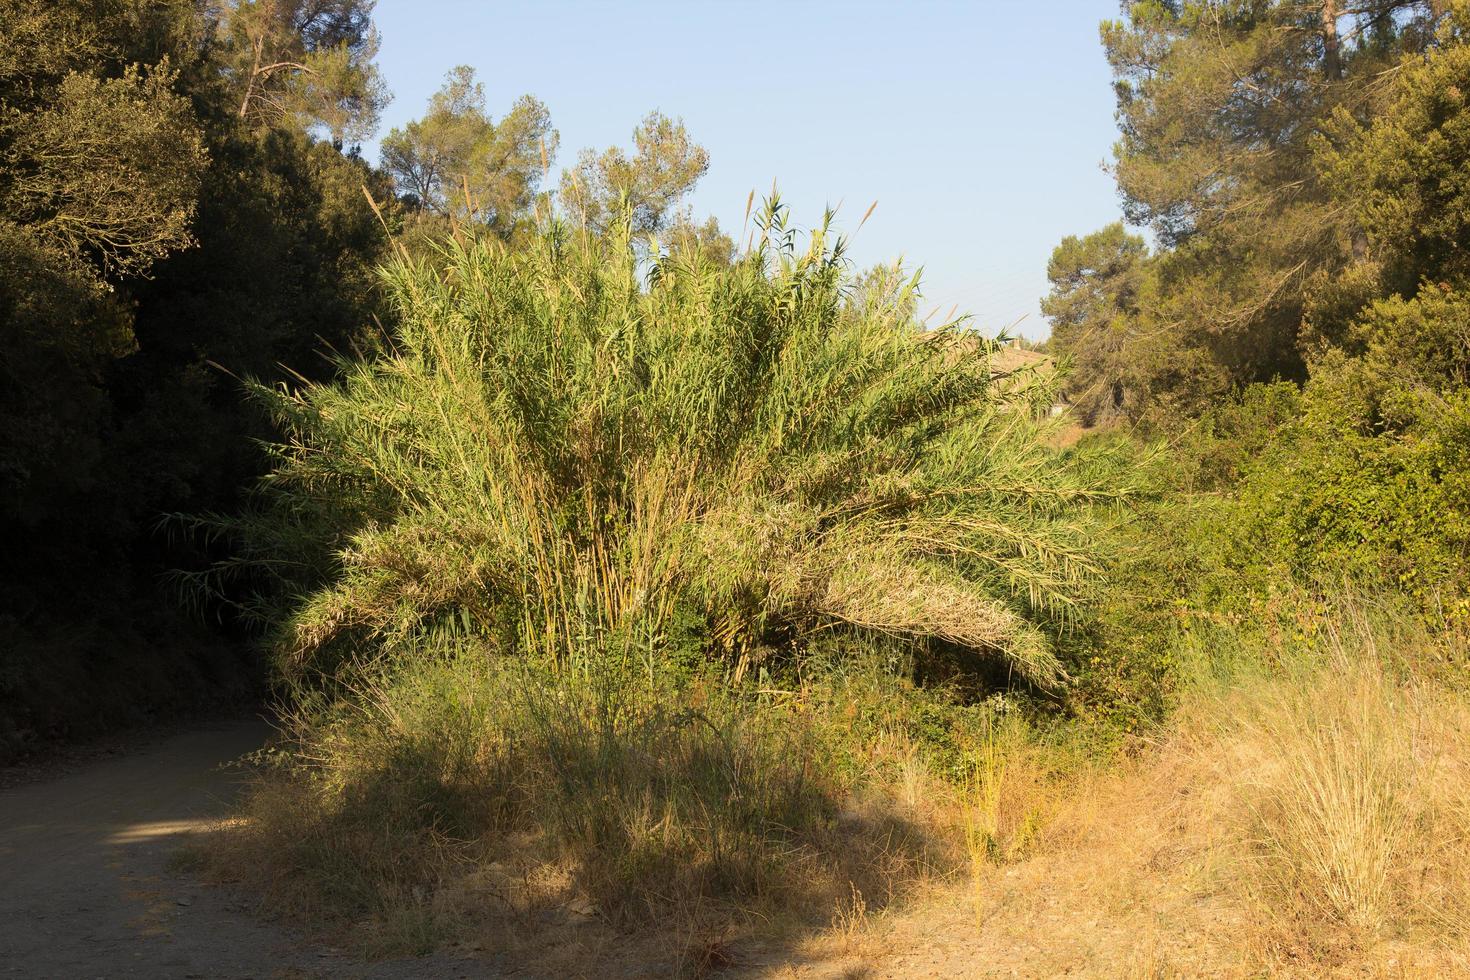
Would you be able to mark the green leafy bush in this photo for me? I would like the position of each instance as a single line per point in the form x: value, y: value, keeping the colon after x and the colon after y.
x: 563, y: 455
x: 1283, y: 496
x: 1372, y: 481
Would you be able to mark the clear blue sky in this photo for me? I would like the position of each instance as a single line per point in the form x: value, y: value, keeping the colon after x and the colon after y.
x: 979, y: 127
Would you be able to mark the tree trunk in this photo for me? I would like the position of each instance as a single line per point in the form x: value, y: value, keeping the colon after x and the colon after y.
x: 264, y: 18
x: 1331, y: 57
x: 250, y: 82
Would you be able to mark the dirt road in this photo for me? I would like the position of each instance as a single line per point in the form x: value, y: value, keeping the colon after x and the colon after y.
x: 87, y: 890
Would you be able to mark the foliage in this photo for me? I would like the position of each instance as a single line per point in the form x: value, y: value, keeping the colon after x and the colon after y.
x: 1363, y: 475
x: 305, y: 62
x: 1352, y: 471
x: 1094, y: 309
x: 1401, y: 171
x: 1373, y: 478
x: 107, y: 172
x: 147, y: 230
x: 559, y: 457
x: 665, y: 165
x: 458, y: 162
x: 886, y: 289
x: 687, y: 237
x: 1223, y: 108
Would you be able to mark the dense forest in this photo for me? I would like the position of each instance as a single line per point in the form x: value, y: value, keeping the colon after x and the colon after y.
x: 179, y: 192
x: 596, y: 558
x: 1297, y: 325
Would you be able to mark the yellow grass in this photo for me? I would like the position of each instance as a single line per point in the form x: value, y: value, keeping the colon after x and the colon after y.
x: 1304, y: 814
x: 1307, y: 818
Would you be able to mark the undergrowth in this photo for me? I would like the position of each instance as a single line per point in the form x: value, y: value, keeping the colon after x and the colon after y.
x: 1301, y: 813
x: 1345, y: 757
x: 467, y: 795
x: 693, y: 602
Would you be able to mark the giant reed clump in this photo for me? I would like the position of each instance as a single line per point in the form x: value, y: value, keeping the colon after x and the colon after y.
x: 574, y: 447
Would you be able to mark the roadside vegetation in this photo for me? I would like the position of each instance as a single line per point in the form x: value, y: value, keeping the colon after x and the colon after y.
x: 643, y: 597
x: 635, y: 595
x: 653, y: 588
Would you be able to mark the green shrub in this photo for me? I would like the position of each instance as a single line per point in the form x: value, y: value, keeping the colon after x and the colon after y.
x: 562, y: 455
x: 1279, y: 499
x: 1369, y: 480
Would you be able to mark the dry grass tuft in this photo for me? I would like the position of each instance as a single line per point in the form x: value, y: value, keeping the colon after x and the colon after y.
x: 1347, y: 805
x: 1304, y: 815
x: 470, y: 800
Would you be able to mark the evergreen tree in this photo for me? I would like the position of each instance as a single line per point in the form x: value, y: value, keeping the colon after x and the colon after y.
x: 147, y: 230
x: 1223, y: 107
x: 665, y: 165
x: 457, y: 162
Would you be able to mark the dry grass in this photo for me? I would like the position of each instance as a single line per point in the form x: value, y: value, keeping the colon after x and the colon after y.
x: 1347, y: 807
x: 1302, y: 818
x: 550, y: 819
x: 1304, y: 814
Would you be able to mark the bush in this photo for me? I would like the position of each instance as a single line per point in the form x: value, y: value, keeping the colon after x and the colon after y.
x: 1278, y: 499
x: 557, y: 456
x: 693, y: 533
x: 1362, y: 477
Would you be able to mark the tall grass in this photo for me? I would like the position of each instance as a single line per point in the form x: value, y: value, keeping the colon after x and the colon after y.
x: 1342, y: 757
x: 459, y: 795
x: 665, y: 515
x: 567, y: 448
x: 1301, y: 813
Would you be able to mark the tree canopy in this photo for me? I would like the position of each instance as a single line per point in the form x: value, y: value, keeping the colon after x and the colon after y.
x: 1230, y: 115
x: 160, y: 212
x: 458, y: 162
x: 309, y: 61
x: 665, y: 165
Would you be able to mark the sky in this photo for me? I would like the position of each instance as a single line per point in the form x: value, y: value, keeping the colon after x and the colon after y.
x: 980, y: 128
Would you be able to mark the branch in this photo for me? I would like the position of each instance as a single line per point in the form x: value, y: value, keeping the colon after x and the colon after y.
x: 267, y: 69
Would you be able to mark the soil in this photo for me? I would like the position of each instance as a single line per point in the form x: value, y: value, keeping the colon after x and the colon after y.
x: 92, y: 887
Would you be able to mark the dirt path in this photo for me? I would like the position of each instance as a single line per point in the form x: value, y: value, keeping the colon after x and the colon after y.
x: 87, y: 890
